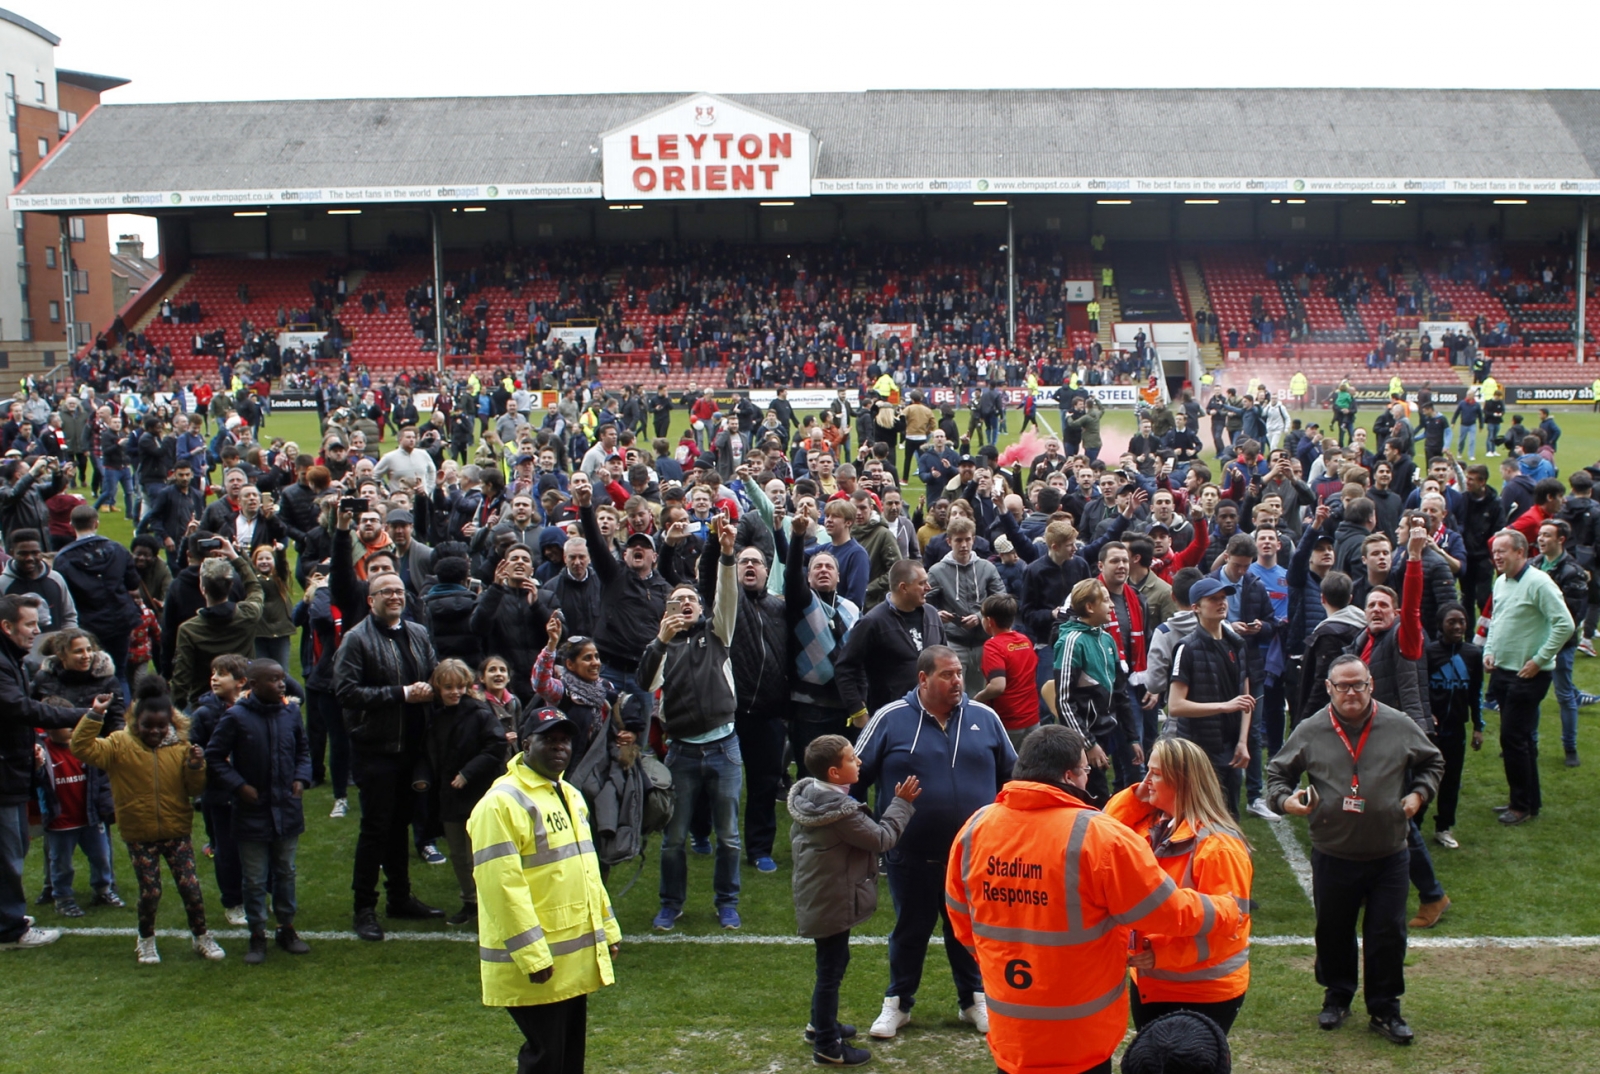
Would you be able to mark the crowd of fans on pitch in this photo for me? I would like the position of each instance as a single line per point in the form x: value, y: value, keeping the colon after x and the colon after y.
x: 499, y: 560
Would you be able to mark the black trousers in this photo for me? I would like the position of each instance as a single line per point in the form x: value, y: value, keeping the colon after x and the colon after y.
x: 1222, y: 1013
x: 554, y: 1036
x: 1452, y: 742
x: 833, y: 958
x: 1342, y: 889
x: 1519, y: 722
x: 761, y: 741
x: 387, y: 801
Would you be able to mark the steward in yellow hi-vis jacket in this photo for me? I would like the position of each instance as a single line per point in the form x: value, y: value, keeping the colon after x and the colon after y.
x: 546, y: 934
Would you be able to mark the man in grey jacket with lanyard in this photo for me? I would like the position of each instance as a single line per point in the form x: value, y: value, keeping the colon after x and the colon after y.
x: 1371, y: 770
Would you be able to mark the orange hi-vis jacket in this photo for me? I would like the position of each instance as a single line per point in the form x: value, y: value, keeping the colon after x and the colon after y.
x: 1211, y: 967
x: 1044, y: 889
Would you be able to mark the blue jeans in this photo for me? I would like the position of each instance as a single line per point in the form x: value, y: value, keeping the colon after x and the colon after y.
x: 13, y: 848
x: 1492, y: 431
x: 1566, y: 698
x: 108, y: 490
x: 96, y: 847
x: 264, y: 863
x: 917, y: 887
x: 1468, y: 434
x: 716, y: 767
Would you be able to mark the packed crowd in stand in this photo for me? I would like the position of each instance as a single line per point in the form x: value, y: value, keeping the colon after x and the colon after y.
x: 540, y: 636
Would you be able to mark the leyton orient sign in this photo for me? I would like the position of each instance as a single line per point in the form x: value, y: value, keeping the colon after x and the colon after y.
x: 707, y: 147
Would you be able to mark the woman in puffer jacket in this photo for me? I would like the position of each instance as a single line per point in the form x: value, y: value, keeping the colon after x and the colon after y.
x: 76, y: 670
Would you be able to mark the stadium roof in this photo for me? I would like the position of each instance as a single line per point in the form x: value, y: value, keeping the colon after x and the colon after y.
x: 1327, y: 141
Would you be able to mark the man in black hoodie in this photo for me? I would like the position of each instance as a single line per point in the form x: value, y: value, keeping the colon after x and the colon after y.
x: 634, y: 597
x: 888, y: 640
x: 104, y: 584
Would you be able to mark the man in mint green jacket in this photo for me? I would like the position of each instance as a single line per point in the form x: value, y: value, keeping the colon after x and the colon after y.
x: 1529, y: 625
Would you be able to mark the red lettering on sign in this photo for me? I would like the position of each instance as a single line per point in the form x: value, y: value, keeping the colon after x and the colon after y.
x: 672, y: 177
x: 644, y: 178
x: 667, y: 146
x: 722, y: 141
x: 768, y: 171
x: 695, y: 170
x: 744, y: 176
x: 778, y: 145
x: 716, y: 177
x: 637, y: 155
x: 696, y: 142
x: 749, y: 146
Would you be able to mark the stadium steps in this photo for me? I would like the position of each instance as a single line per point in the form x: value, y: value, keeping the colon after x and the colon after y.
x: 1110, y: 305
x: 154, y: 309
x: 1194, y: 286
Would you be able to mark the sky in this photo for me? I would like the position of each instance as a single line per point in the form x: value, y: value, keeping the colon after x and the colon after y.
x: 197, y: 51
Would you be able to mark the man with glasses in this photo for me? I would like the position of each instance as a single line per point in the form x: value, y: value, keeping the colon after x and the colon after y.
x: 688, y: 661
x: 380, y: 677
x: 1371, y: 771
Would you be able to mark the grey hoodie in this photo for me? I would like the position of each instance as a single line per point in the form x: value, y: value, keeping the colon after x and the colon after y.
x: 1163, y: 643
x: 836, y: 844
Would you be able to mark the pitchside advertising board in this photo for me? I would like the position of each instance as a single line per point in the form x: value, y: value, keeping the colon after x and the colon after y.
x: 1378, y: 394
x: 706, y: 147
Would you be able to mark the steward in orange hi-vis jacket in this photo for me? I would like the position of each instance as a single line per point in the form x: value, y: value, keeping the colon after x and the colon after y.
x: 1043, y: 888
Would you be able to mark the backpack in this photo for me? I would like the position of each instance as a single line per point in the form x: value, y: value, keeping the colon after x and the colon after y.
x: 658, y: 797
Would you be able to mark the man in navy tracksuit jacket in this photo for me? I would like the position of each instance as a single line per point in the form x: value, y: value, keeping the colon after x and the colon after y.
x: 959, y: 751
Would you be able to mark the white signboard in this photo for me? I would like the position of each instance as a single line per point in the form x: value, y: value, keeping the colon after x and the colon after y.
x: 803, y: 398
x: 704, y: 148
x: 301, y: 340
x: 574, y: 337
x: 1437, y: 329
x: 1078, y: 290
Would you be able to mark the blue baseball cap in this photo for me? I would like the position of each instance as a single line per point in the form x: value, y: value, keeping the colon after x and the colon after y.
x: 1210, y: 587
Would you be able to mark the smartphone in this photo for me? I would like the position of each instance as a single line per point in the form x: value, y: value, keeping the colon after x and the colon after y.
x: 356, y: 504
x: 209, y: 544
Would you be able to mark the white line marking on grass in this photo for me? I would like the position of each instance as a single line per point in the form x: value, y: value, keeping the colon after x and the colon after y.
x: 733, y: 939
x: 1294, y: 854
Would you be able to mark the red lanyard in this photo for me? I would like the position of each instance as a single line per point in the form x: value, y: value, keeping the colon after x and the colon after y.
x: 1355, y: 752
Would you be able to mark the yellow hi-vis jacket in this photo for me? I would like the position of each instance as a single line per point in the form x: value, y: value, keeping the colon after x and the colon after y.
x: 540, y: 899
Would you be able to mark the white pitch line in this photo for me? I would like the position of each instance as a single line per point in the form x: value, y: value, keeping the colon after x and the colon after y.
x: 736, y: 939
x: 1296, y: 857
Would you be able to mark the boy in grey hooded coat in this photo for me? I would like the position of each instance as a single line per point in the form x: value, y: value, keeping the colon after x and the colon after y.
x: 836, y: 844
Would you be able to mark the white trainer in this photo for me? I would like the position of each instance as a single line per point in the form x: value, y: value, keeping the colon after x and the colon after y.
x: 206, y: 947
x: 1261, y: 809
x: 341, y: 806
x: 978, y: 1013
x: 891, y: 1018
x: 33, y: 938
x: 148, y: 955
x: 235, y: 915
x: 1447, y: 839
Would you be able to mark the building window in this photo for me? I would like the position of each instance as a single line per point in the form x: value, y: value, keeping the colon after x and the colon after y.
x: 16, y: 164
x: 39, y: 92
x: 55, y: 312
x: 44, y: 148
x: 80, y: 281
x: 68, y: 120
x: 82, y: 332
x: 49, y: 257
x: 75, y: 228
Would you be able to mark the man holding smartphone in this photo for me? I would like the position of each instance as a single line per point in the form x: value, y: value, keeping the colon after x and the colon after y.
x: 1371, y: 769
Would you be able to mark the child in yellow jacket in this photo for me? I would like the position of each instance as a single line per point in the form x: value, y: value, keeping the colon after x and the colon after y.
x: 155, y: 773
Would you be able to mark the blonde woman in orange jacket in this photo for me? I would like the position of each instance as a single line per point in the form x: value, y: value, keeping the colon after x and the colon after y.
x: 1179, y: 809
